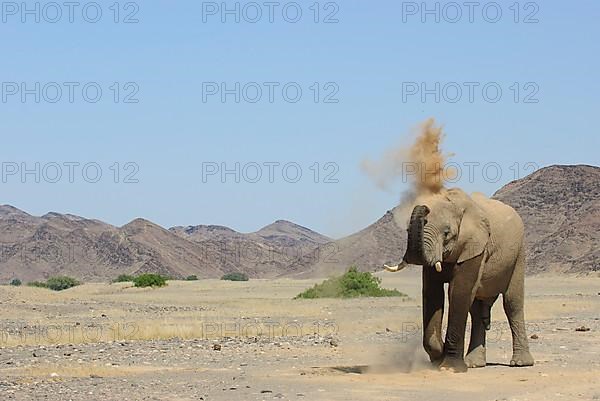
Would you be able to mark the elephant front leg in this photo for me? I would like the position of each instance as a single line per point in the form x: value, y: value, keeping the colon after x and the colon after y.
x: 433, y: 312
x: 460, y: 295
x: 476, y: 354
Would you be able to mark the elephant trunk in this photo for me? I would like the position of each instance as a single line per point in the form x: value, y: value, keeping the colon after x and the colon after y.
x: 414, y: 251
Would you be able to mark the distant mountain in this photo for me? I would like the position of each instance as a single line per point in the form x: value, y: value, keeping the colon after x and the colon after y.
x: 279, y: 249
x: 201, y: 233
x: 560, y: 206
x: 34, y: 248
x: 382, y: 242
x: 286, y: 232
x: 7, y: 211
x: 281, y: 231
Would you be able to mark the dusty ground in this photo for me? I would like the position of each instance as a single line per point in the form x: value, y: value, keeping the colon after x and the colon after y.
x: 213, y: 340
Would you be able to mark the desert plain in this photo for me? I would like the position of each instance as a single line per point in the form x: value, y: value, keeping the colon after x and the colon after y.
x: 217, y: 340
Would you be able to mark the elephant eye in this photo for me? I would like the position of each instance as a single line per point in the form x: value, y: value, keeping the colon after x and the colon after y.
x: 447, y: 231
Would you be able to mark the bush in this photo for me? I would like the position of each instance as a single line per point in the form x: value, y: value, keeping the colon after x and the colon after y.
x: 235, y: 277
x: 56, y: 283
x: 16, y: 282
x: 124, y: 278
x: 61, y: 283
x: 350, y: 285
x: 150, y: 280
x: 193, y: 277
x: 37, y: 284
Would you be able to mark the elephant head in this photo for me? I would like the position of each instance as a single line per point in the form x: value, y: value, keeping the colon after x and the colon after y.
x: 448, y: 227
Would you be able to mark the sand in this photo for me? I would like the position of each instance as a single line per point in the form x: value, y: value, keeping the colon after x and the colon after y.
x: 215, y: 340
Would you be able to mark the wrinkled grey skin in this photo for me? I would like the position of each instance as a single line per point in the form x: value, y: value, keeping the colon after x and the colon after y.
x: 479, y: 243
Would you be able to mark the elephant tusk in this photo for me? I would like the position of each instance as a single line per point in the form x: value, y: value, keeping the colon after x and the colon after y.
x: 392, y: 269
x: 396, y: 268
x: 438, y: 267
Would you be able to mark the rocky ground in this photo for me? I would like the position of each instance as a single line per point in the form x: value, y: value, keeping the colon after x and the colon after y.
x: 211, y: 340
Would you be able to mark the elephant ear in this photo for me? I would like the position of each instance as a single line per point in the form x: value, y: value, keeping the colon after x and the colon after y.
x: 474, y: 230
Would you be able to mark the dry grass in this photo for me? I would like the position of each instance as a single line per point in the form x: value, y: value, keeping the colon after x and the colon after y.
x: 566, y: 361
x: 213, y: 309
x: 154, y: 330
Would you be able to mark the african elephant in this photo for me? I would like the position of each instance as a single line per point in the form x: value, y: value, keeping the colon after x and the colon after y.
x: 476, y: 245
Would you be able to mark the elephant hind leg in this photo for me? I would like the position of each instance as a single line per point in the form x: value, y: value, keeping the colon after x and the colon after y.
x: 476, y: 354
x: 486, y: 314
x: 513, y: 300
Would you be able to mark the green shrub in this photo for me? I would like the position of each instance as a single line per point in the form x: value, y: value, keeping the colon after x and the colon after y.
x: 58, y: 283
x: 350, y: 285
x: 193, y: 277
x: 61, y: 283
x: 37, y: 284
x: 15, y: 282
x: 124, y: 278
x: 235, y: 277
x: 150, y: 280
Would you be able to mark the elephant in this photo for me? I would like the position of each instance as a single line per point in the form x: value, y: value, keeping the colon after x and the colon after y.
x: 476, y: 245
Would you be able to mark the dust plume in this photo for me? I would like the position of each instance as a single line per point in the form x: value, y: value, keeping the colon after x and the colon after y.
x: 426, y: 157
x: 422, y: 164
x: 404, y: 357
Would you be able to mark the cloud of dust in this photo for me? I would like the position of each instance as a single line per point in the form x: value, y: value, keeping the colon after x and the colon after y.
x: 426, y: 157
x: 422, y: 164
x: 404, y: 357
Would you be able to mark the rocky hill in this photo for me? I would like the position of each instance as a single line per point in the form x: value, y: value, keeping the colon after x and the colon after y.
x: 560, y: 206
x: 279, y: 249
x: 382, y: 242
x: 34, y: 248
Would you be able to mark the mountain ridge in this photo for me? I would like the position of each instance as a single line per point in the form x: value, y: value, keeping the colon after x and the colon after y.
x: 559, y: 204
x: 36, y: 247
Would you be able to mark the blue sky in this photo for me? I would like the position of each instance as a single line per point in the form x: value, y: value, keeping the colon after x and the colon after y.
x: 366, y: 61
